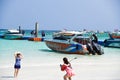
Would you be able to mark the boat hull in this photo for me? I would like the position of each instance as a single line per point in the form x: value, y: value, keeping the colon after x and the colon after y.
x: 66, y: 47
x: 118, y: 37
x: 112, y: 43
x: 12, y: 36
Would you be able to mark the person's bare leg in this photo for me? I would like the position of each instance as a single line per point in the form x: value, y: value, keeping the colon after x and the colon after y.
x: 15, y: 72
x: 65, y: 77
x: 70, y: 78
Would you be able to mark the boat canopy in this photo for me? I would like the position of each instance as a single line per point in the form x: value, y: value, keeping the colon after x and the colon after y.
x: 13, y: 31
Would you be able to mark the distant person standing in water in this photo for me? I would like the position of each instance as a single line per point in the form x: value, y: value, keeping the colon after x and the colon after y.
x: 17, y: 65
x: 68, y: 68
x: 43, y: 34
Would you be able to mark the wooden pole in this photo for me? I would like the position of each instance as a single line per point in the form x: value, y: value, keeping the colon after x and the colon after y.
x: 36, y: 29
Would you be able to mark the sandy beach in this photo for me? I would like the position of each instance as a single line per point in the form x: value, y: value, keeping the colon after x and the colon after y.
x: 84, y: 70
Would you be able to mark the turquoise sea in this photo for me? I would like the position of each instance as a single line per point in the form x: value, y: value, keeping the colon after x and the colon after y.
x: 37, y: 53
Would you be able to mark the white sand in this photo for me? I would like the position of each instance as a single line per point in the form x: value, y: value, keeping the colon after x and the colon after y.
x: 84, y: 70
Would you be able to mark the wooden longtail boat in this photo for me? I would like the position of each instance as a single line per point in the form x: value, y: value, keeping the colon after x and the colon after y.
x: 116, y: 35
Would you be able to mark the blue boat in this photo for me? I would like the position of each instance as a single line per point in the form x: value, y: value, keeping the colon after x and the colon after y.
x: 73, y: 43
x: 112, y: 42
x: 13, y: 34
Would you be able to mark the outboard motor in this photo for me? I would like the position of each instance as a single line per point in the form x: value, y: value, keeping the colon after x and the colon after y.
x: 97, y: 48
x: 95, y: 38
x: 90, y: 48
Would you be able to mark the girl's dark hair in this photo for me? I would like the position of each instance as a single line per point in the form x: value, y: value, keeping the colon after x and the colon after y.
x: 65, y: 60
x: 18, y: 54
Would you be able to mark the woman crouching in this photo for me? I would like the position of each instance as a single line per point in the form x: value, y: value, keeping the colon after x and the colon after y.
x: 67, y: 67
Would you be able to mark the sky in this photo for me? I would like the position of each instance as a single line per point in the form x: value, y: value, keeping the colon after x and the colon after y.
x: 103, y: 15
